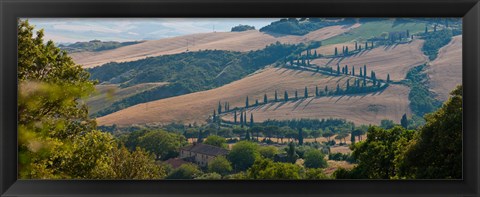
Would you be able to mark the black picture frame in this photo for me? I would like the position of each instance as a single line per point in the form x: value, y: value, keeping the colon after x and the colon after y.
x: 10, y: 10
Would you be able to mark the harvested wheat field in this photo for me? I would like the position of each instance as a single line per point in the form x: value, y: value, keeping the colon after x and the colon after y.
x: 371, y: 108
x: 445, y: 72
x: 107, y: 94
x: 233, y: 41
x: 330, y: 49
x: 334, y: 165
x: 395, y: 60
x: 197, y: 107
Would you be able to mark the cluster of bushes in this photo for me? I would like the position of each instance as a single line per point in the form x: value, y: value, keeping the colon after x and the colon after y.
x: 242, y: 28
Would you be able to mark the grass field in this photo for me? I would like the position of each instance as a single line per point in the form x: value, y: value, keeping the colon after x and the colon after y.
x: 374, y: 28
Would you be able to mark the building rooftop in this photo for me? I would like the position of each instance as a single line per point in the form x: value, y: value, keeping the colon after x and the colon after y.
x: 206, y: 149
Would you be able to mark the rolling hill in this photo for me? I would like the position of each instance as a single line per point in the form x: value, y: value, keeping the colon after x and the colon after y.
x: 201, y: 104
x: 445, y: 72
x: 395, y: 60
x: 232, y: 41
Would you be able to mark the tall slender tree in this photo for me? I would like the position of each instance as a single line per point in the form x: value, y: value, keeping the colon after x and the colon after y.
x: 326, y: 90
x: 336, y: 52
x: 241, y: 119
x: 356, y: 46
x: 353, y: 70
x: 219, y: 107
x: 251, y: 120
x: 276, y: 96
x: 235, y: 117
x: 388, y: 78
x: 306, y: 92
x: 246, y: 102
x: 296, y: 94
x: 364, y: 70
x: 316, y: 91
x: 285, y: 96
x: 404, y: 121
x: 265, y: 100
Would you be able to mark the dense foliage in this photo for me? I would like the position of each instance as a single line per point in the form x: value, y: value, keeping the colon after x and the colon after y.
x: 434, y: 40
x: 432, y: 151
x: 242, y: 28
x: 56, y: 139
x: 422, y: 101
x: 94, y: 45
x: 294, y: 26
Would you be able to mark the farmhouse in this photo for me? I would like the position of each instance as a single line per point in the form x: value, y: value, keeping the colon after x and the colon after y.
x: 201, y: 154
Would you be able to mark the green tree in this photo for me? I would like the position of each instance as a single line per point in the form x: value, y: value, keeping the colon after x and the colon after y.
x: 123, y: 164
x: 285, y: 96
x: 162, y: 144
x: 267, y: 169
x: 185, y: 171
x: 219, y: 107
x: 300, y: 136
x: 216, y: 140
x: 404, y: 121
x: 315, y: 159
x: 388, y: 78
x: 292, y: 155
x: 296, y: 94
x: 306, y: 92
x: 220, y: 165
x: 265, y: 100
x: 336, y: 52
x: 328, y: 134
x: 436, y: 150
x: 316, y: 134
x: 316, y: 91
x: 268, y: 151
x: 246, y: 102
x: 243, y: 154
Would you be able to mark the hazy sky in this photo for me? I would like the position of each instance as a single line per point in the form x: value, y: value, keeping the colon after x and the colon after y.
x: 69, y: 30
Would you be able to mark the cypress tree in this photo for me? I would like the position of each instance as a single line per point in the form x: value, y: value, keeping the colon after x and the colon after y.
x: 285, y: 96
x: 352, y: 138
x: 343, y: 70
x: 366, y: 45
x: 336, y: 52
x: 408, y: 33
x: 256, y: 102
x: 265, y: 100
x: 251, y: 120
x: 276, y: 96
x: 364, y: 70
x: 326, y: 90
x: 214, y: 114
x: 388, y: 78
x: 338, y: 89
x: 356, y: 46
x: 315, y: 54
x: 219, y: 107
x: 359, y: 47
x: 316, y: 91
x: 346, y: 50
x: 404, y: 121
x: 346, y: 69
x: 296, y: 94
x: 348, y: 84
x: 246, y: 102
x: 353, y: 70
x: 300, y: 136
x: 241, y: 119
x: 306, y: 92
x: 245, y: 118
x: 361, y: 73
x: 235, y: 117
x: 247, y: 135
x: 338, y: 69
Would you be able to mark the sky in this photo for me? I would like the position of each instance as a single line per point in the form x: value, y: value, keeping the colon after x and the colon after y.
x: 70, y: 30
